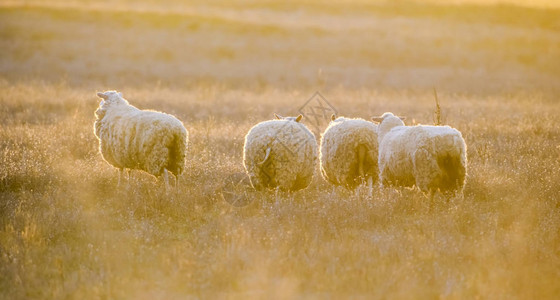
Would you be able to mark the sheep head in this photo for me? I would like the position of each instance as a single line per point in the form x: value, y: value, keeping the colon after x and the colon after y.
x: 388, y: 116
x: 296, y: 119
x: 387, y: 122
x: 111, y: 97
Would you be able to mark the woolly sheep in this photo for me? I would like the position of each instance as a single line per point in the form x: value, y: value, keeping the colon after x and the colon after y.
x: 348, y: 154
x: 280, y: 154
x: 430, y: 157
x: 130, y: 138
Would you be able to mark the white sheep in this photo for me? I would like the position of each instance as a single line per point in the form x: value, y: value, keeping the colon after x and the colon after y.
x: 430, y: 157
x: 280, y: 154
x: 130, y: 138
x: 349, y: 153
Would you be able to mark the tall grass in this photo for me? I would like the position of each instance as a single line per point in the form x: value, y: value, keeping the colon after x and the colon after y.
x: 67, y: 231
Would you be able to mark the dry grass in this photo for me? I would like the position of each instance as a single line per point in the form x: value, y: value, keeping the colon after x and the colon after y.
x: 66, y: 231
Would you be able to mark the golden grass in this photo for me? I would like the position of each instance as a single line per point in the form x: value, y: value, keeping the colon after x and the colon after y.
x: 67, y: 231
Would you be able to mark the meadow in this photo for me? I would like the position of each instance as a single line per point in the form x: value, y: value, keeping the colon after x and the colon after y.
x: 68, y: 232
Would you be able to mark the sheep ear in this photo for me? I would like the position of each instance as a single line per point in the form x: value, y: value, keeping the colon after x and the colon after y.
x: 278, y: 117
x: 103, y: 96
x: 299, y: 118
x: 333, y: 117
x: 402, y: 118
x: 377, y: 119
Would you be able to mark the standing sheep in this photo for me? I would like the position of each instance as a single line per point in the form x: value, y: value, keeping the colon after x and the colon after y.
x: 430, y: 157
x: 349, y: 152
x: 130, y: 138
x: 280, y: 154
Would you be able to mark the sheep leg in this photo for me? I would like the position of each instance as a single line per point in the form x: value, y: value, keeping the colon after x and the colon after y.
x: 370, y: 187
x: 128, y: 178
x: 383, y: 178
x: 361, y: 157
x: 124, y: 175
x: 120, y: 177
x: 166, y: 180
x: 431, y: 196
x: 176, y: 185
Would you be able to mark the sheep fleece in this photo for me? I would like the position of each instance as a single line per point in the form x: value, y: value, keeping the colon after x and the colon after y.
x: 140, y: 139
x: 430, y: 157
x: 339, y: 151
x: 293, y: 154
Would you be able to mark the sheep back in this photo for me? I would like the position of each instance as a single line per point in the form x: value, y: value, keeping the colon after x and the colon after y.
x: 290, y: 165
x: 430, y: 157
x: 140, y: 139
x: 339, y: 151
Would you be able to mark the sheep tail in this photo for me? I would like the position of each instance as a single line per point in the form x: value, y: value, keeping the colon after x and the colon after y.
x: 177, y: 151
x: 454, y: 172
x: 266, y: 157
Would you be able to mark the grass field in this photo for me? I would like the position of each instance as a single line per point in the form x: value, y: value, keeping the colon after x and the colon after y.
x: 67, y: 231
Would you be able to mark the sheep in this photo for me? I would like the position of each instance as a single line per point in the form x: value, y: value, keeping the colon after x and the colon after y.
x: 430, y: 157
x: 130, y: 138
x: 280, y: 154
x: 348, y: 154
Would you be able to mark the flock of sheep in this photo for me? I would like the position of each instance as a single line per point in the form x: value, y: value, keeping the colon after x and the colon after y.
x: 282, y: 153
